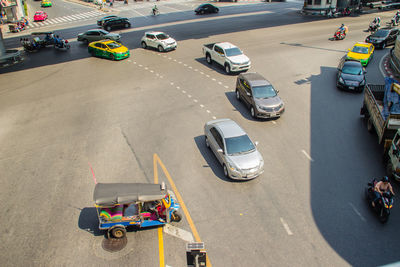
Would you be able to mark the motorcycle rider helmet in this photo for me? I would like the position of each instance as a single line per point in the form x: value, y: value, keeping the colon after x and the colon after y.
x: 385, y: 179
x: 342, y: 25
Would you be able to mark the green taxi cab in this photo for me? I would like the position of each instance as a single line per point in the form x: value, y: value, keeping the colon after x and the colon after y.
x: 362, y: 52
x: 46, y: 3
x: 108, y: 49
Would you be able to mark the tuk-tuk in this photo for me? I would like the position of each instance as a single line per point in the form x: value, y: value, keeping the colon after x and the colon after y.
x: 120, y: 205
x: 43, y: 38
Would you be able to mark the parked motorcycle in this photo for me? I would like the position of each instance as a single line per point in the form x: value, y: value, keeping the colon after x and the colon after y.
x: 383, y: 205
x: 61, y: 44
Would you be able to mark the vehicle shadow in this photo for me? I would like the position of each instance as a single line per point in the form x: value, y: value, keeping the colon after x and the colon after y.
x: 212, y: 161
x: 89, y: 222
x: 214, y: 66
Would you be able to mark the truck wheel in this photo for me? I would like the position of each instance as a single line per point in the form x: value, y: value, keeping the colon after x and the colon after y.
x: 369, y: 125
x: 176, y: 216
x: 208, y: 58
x: 118, y: 232
x: 227, y: 69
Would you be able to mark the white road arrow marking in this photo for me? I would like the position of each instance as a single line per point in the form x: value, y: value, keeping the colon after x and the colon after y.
x: 179, y: 233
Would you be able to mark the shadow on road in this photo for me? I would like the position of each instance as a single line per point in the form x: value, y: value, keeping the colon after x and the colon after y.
x: 345, y: 158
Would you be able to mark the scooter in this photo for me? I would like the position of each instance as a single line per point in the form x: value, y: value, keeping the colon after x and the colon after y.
x: 62, y: 44
x: 395, y: 21
x: 384, y: 204
x: 373, y: 27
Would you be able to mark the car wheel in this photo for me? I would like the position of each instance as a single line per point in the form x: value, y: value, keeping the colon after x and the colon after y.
x: 226, y: 171
x: 108, y: 28
x: 216, y: 10
x: 208, y: 58
x: 144, y: 45
x: 118, y: 232
x: 227, y: 69
x: 383, y: 45
x: 112, y: 57
x: 86, y: 41
x: 253, y: 112
x: 207, y: 143
x: 160, y: 48
x: 176, y: 216
x: 237, y: 95
x: 126, y: 25
x: 202, y: 12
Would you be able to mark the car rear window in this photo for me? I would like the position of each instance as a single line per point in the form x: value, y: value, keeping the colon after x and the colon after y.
x: 360, y: 49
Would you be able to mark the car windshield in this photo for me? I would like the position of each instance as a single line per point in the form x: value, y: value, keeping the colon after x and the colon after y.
x: 264, y: 91
x: 113, y: 45
x: 360, y: 49
x: 351, y: 69
x: 103, y: 32
x: 162, y: 36
x: 239, y: 145
x: 230, y: 52
x: 381, y: 33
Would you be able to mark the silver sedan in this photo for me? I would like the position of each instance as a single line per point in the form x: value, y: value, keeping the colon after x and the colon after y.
x: 97, y: 35
x: 233, y: 148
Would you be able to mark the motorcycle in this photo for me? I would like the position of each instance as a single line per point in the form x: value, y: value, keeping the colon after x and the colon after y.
x: 384, y: 204
x: 339, y: 35
x: 373, y: 27
x: 29, y: 46
x: 155, y: 12
x: 62, y: 44
x: 394, y: 21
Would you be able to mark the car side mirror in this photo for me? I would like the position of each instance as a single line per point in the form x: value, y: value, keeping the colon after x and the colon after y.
x: 256, y: 143
x: 222, y: 55
x: 247, y: 93
x: 349, y: 49
x: 219, y: 150
x: 277, y: 91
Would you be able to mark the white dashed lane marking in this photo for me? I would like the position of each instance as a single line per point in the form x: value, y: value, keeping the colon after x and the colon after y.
x: 286, y: 226
x: 306, y: 154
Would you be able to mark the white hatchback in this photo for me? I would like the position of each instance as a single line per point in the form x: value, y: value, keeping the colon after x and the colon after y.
x: 159, y: 40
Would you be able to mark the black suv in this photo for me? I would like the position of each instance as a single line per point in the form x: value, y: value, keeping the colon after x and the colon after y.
x: 116, y: 23
x: 383, y: 37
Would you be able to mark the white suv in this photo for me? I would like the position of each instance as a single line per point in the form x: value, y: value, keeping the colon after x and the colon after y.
x: 158, y: 40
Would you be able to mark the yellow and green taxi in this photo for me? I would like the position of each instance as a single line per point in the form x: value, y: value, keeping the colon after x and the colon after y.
x: 108, y: 49
x: 46, y: 3
x: 362, y: 52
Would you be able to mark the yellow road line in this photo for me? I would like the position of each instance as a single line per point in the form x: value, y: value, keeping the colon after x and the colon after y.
x: 180, y: 200
x: 161, y: 246
x: 160, y: 232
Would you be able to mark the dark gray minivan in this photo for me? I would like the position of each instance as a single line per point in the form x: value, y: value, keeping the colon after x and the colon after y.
x: 259, y: 96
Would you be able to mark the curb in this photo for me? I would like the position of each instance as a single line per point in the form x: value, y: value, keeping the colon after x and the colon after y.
x: 387, y: 67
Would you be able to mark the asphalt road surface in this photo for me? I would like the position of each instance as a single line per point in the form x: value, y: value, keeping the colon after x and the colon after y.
x: 65, y: 113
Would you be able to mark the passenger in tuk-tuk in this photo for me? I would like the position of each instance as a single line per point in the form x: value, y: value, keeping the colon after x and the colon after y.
x: 155, y: 208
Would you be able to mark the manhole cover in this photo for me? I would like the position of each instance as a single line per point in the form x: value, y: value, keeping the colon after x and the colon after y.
x: 114, y: 244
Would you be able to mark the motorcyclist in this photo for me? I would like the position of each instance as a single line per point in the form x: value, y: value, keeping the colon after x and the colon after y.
x: 155, y: 10
x: 381, y: 187
x: 397, y: 17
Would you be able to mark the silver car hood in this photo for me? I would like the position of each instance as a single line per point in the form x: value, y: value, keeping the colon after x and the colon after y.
x: 246, y: 161
x: 268, y: 102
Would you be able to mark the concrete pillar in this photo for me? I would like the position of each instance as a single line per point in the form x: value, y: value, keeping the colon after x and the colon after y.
x: 2, y: 47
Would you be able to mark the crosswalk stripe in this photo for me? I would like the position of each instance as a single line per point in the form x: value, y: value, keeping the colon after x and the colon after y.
x: 62, y: 19
x: 58, y: 19
x: 69, y: 18
x: 74, y: 17
x: 50, y: 21
x: 35, y: 24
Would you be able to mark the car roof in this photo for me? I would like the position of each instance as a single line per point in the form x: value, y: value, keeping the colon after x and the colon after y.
x: 352, y: 62
x: 226, y: 45
x: 153, y: 32
x: 254, y: 78
x: 363, y: 44
x: 227, y: 127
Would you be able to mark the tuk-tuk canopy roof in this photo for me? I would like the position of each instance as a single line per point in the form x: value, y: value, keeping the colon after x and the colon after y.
x: 123, y: 193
